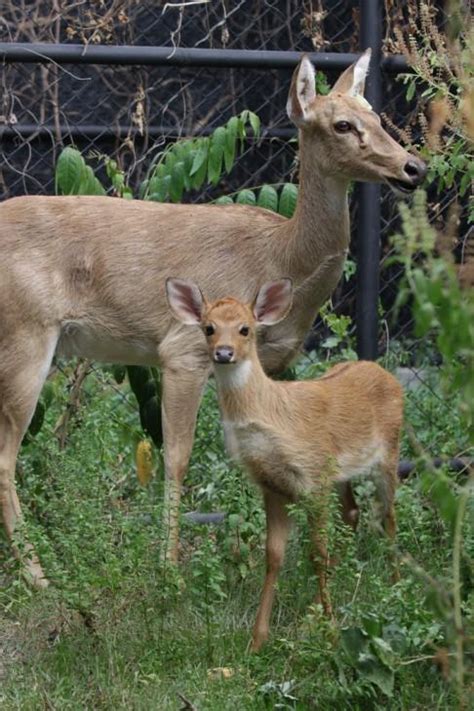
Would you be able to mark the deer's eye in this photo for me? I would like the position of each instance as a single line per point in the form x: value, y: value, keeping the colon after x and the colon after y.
x: 209, y: 330
x: 343, y: 126
x: 244, y: 330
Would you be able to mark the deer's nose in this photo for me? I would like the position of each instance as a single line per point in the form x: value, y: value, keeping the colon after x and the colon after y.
x: 415, y: 169
x: 223, y: 354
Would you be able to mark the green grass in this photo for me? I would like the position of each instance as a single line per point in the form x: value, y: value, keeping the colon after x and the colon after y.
x: 117, y: 629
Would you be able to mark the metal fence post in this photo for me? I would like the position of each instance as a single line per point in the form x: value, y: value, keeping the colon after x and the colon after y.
x: 368, y: 231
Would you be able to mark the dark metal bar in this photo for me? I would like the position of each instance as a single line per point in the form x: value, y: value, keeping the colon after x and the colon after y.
x: 455, y: 464
x: 368, y: 232
x: 38, y: 52
x: 120, y: 131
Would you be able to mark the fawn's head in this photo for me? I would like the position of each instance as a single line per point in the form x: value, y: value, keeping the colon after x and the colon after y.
x: 343, y: 135
x: 229, y: 326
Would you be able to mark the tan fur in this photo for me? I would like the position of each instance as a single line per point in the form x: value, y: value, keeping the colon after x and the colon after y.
x: 297, y: 439
x: 85, y: 276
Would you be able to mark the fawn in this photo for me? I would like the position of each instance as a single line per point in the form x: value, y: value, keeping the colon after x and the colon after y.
x: 295, y: 438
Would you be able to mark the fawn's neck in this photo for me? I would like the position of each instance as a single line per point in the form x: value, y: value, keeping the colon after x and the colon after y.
x: 243, y: 387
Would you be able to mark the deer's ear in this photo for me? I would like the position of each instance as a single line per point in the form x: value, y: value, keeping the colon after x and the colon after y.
x: 273, y: 302
x: 185, y: 300
x: 352, y: 80
x: 302, y: 92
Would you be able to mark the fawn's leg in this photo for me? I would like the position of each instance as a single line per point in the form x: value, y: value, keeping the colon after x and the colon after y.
x: 25, y: 359
x: 181, y: 395
x: 278, y: 527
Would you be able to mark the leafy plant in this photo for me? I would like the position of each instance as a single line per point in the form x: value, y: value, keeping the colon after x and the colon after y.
x: 187, y: 164
x: 441, y: 308
x: 281, y: 199
x: 74, y: 177
x: 441, y: 78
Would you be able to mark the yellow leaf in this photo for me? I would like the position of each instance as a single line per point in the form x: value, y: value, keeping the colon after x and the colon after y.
x: 144, y: 462
x: 220, y: 673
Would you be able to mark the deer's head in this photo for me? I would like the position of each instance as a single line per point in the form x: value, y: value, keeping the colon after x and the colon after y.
x: 229, y: 326
x: 343, y: 135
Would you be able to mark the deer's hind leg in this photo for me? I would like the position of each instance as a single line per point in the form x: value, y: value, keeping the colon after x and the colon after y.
x: 25, y: 358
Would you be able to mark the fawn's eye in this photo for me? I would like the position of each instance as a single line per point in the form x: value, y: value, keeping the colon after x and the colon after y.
x: 209, y: 330
x: 343, y: 126
x: 244, y: 330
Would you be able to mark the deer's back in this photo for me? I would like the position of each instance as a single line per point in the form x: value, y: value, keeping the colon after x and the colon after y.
x: 97, y: 266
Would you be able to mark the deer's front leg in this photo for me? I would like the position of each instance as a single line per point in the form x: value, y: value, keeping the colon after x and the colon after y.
x: 181, y: 395
x: 278, y: 527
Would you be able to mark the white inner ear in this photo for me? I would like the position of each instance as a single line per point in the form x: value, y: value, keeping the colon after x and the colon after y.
x: 272, y: 303
x: 185, y: 302
x: 305, y: 88
x: 361, y: 69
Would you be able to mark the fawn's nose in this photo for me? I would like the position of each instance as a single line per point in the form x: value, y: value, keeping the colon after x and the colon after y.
x: 224, y: 354
x: 415, y: 170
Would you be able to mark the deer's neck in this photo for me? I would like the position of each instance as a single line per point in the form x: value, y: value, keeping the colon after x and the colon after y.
x: 240, y: 386
x: 320, y: 226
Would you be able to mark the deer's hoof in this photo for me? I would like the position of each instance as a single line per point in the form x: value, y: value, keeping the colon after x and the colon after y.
x: 34, y: 576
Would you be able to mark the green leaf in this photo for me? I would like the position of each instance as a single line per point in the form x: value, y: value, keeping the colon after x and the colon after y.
x: 159, y: 189
x: 90, y: 185
x: 377, y: 673
x: 268, y: 198
x: 230, y: 143
x: 176, y: 186
x: 69, y: 171
x: 188, y: 160
x: 224, y: 200
x: 214, y: 167
x: 354, y: 642
x: 143, y: 189
x: 246, y: 197
x: 288, y: 198
x: 255, y: 123
x: 199, y: 177
x: 411, y: 91
x: 201, y: 155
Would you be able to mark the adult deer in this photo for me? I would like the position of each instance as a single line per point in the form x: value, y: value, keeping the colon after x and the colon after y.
x: 86, y: 275
x: 296, y: 439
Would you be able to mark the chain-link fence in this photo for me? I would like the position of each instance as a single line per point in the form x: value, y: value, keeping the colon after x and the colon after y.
x: 132, y: 110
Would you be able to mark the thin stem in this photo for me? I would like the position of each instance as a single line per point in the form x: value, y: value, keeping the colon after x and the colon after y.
x: 458, y: 622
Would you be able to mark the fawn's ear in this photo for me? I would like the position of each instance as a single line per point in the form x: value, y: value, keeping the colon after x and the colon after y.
x: 273, y: 302
x: 352, y: 80
x: 302, y: 92
x: 185, y: 300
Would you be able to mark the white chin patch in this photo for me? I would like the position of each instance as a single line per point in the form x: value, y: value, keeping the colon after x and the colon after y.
x: 233, y: 376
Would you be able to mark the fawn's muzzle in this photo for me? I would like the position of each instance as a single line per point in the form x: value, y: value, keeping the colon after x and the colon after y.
x: 224, y: 354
